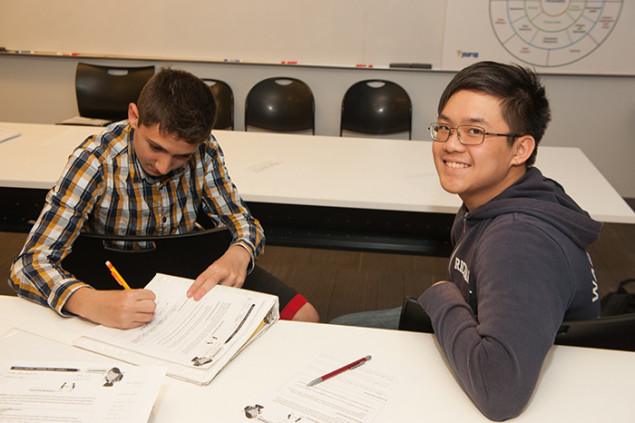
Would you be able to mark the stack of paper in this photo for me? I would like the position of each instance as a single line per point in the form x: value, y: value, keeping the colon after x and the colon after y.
x: 193, y: 339
x: 81, y: 387
x: 85, y: 121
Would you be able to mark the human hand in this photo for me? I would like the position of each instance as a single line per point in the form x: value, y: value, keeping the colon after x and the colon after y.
x: 230, y: 269
x: 123, y: 309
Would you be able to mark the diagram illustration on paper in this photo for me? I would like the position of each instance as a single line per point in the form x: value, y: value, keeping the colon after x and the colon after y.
x: 553, y: 32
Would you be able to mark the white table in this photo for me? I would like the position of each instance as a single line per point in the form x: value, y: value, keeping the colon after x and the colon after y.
x: 363, y: 173
x: 577, y: 384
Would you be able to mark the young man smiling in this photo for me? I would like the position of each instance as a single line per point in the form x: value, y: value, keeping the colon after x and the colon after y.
x: 149, y: 175
x: 477, y: 172
x: 519, y: 265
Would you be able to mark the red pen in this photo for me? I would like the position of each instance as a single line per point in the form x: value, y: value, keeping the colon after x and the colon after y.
x: 350, y: 366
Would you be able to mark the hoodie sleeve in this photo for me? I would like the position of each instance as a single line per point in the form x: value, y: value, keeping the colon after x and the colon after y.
x: 523, y: 286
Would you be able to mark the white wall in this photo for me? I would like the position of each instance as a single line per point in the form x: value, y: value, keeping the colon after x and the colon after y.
x: 308, y: 31
x: 594, y: 113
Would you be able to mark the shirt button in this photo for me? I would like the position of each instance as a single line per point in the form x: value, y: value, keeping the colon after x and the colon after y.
x: 165, y: 219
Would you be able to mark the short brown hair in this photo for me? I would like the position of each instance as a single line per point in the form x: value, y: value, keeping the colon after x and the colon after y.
x: 182, y: 105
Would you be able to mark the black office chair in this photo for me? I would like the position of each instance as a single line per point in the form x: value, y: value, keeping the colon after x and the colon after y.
x: 280, y: 104
x: 609, y: 332
x: 104, y: 92
x: 224, y: 97
x: 185, y: 255
x: 376, y: 107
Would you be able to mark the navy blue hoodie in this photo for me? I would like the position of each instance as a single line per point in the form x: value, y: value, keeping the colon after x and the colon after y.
x: 518, y: 269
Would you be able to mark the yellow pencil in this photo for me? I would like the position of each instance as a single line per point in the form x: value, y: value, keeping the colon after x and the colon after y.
x: 120, y: 280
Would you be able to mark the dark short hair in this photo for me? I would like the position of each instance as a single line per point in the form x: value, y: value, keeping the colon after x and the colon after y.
x: 524, y: 103
x: 182, y: 105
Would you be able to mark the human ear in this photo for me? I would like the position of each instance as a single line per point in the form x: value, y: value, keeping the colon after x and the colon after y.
x: 133, y: 115
x: 524, y: 147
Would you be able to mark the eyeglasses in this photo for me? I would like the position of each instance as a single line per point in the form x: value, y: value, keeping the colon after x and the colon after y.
x: 467, y: 134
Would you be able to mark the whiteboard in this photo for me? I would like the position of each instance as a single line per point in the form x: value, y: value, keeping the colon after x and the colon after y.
x: 321, y: 32
x: 448, y: 34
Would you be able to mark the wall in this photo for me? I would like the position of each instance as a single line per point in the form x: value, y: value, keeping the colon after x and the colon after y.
x: 554, y: 36
x: 308, y: 31
x: 594, y: 113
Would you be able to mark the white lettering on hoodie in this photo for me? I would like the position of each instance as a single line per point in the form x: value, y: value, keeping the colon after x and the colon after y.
x: 594, y: 280
x: 461, y: 266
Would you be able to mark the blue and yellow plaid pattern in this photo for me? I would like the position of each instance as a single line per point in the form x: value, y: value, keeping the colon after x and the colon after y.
x: 103, y: 189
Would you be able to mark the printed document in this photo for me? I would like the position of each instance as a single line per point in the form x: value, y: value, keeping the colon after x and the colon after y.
x: 195, y: 339
x: 77, y: 392
x: 362, y: 395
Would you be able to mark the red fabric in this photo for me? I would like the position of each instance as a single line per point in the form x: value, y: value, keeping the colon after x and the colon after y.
x: 292, y: 308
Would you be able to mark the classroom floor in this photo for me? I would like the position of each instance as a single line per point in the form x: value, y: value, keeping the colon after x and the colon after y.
x: 339, y: 282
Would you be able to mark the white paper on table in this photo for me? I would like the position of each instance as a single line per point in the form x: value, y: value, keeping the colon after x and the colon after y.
x: 194, y: 339
x: 87, y: 392
x: 86, y: 121
x: 366, y: 394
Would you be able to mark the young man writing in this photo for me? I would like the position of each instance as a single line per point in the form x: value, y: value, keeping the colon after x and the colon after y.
x: 149, y: 175
x: 519, y: 265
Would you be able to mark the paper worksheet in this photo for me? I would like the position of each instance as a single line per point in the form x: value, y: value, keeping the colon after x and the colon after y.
x: 85, y: 121
x: 363, y: 395
x: 194, y: 339
x: 77, y: 392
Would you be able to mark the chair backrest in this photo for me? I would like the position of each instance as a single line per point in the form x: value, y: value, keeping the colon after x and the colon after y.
x: 610, y: 332
x: 224, y: 97
x: 413, y: 317
x: 104, y: 92
x: 185, y: 255
x: 376, y: 107
x: 280, y: 104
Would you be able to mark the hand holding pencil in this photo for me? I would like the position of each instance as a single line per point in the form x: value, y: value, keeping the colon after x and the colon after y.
x: 118, y: 308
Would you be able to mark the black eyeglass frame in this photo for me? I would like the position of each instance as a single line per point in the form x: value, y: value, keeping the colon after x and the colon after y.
x: 450, y: 128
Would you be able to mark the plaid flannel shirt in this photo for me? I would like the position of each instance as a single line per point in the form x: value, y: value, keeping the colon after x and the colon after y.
x: 103, y: 189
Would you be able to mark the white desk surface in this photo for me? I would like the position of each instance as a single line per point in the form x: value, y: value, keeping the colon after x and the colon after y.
x: 577, y: 384
x: 365, y: 173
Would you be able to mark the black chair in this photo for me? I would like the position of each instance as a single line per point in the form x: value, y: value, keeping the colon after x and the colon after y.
x: 609, y: 332
x: 280, y: 104
x: 414, y: 318
x: 185, y: 255
x: 104, y: 92
x: 376, y: 107
x: 224, y: 97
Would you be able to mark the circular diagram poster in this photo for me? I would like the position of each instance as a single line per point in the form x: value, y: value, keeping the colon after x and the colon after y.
x: 554, y: 36
x: 553, y: 32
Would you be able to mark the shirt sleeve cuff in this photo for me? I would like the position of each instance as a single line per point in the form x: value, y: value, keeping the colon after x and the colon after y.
x: 70, y: 286
x: 252, y: 259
